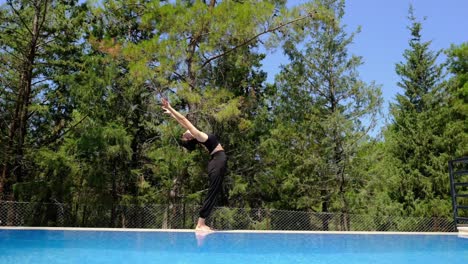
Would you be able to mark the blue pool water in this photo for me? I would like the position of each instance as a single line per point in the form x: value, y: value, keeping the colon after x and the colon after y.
x: 49, y: 247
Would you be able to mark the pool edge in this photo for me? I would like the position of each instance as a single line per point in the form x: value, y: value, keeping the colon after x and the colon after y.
x: 231, y: 231
x: 463, y: 231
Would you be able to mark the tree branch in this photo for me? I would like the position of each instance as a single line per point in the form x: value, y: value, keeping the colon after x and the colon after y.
x: 14, y: 55
x: 253, y: 38
x: 57, y: 136
x: 21, y: 19
x: 43, y: 20
x: 183, y: 78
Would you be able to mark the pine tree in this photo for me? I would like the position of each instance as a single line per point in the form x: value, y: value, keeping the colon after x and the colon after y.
x: 116, y: 115
x: 320, y: 110
x: 203, y: 56
x: 457, y: 127
x: 415, y: 137
x: 37, y: 57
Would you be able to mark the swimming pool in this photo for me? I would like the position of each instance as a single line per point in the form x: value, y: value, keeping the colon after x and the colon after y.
x: 98, y: 246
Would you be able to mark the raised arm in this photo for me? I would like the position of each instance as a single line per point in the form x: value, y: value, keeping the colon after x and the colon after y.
x: 183, y: 121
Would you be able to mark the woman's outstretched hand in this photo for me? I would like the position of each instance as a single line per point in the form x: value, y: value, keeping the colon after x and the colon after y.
x: 167, y: 112
x: 166, y: 105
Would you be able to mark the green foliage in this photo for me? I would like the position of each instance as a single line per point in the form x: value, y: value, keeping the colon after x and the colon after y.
x: 457, y: 128
x: 39, y: 63
x: 318, y: 110
x: 417, y: 141
x: 94, y: 136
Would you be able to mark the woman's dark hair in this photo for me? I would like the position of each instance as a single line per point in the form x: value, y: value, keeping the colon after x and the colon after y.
x: 189, y: 144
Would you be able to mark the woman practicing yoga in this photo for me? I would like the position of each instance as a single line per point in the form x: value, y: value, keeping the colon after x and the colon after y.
x: 216, y: 166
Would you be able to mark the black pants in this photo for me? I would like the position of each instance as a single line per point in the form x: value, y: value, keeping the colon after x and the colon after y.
x: 216, y: 170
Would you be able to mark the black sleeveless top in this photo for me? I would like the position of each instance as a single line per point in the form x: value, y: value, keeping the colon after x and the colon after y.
x: 210, y: 143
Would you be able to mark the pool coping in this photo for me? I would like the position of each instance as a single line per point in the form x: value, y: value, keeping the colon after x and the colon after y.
x: 463, y: 231
x: 224, y: 231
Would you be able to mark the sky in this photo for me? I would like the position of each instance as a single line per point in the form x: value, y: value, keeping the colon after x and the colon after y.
x: 384, y: 37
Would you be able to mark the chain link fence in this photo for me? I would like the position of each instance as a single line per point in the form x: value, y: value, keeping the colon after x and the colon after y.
x: 184, y: 216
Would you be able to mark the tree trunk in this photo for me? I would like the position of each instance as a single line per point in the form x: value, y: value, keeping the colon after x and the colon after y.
x: 325, y: 220
x: 12, y: 168
x: 114, y: 197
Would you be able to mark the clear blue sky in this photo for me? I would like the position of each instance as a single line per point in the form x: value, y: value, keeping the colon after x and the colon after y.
x: 384, y: 36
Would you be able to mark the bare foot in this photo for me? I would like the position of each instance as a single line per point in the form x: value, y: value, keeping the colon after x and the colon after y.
x: 203, y: 228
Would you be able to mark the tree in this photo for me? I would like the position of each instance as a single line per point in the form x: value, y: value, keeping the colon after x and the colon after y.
x: 457, y: 127
x: 322, y: 113
x: 415, y: 137
x: 116, y: 115
x: 37, y: 55
x: 202, y: 56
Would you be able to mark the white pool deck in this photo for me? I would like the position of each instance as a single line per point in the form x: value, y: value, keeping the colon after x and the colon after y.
x: 462, y: 231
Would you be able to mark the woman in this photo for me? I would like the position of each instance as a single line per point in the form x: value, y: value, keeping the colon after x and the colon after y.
x: 216, y: 166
